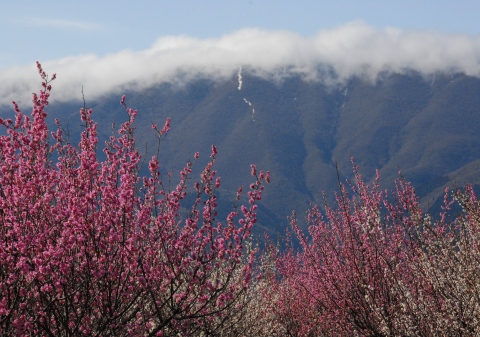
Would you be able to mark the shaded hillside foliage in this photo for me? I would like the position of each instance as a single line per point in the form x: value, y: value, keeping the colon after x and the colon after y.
x: 424, y: 125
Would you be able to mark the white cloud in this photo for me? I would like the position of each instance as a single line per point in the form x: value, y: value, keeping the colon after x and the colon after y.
x: 352, y: 49
x: 60, y: 24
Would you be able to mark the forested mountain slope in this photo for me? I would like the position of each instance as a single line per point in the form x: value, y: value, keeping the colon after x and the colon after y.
x: 426, y: 126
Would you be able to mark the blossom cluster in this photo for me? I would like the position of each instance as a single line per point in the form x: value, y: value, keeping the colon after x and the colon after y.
x: 375, y: 264
x: 88, y: 247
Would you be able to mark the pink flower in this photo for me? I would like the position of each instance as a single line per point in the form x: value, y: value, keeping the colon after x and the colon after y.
x: 214, y: 151
x: 166, y: 127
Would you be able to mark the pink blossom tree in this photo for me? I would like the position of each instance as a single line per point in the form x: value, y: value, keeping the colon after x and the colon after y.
x: 90, y: 248
x: 376, y: 265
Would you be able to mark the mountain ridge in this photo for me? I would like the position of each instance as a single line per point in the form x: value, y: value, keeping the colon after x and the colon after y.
x: 302, y: 130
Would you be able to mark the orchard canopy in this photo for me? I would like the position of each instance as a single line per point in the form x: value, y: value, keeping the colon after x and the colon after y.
x: 89, y: 247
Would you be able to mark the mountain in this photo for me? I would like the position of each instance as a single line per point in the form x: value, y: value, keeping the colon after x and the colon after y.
x: 426, y: 126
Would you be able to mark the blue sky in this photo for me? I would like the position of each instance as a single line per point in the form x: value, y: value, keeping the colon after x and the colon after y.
x: 44, y: 30
x: 109, y: 45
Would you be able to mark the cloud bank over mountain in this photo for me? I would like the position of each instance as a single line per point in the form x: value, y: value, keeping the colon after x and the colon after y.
x: 355, y: 49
